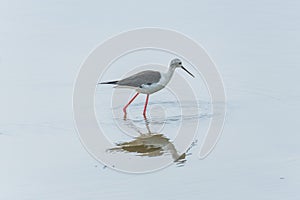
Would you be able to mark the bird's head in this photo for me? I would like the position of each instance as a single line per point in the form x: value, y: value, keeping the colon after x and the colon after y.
x: 176, y: 63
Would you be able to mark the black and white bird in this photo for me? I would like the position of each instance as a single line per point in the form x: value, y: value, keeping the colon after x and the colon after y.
x: 148, y: 82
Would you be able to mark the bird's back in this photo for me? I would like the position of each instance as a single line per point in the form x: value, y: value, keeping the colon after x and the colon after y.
x: 147, y: 77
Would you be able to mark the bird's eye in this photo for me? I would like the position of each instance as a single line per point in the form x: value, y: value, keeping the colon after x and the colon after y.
x: 179, y: 63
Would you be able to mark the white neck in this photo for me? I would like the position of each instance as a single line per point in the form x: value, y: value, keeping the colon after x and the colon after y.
x: 166, y: 77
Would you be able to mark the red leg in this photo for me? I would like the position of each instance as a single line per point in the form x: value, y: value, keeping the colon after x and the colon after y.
x: 125, y: 107
x: 146, y: 103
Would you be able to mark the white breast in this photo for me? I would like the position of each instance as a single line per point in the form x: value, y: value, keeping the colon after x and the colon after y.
x: 164, y: 80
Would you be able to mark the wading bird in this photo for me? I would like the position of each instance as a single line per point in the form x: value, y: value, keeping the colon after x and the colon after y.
x: 148, y: 82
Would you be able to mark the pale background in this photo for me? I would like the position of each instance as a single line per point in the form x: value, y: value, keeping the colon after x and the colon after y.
x: 255, y: 45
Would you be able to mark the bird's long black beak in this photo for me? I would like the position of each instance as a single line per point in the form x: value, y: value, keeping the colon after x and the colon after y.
x: 187, y: 71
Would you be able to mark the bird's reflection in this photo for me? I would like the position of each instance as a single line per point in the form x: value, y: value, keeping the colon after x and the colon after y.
x: 149, y: 144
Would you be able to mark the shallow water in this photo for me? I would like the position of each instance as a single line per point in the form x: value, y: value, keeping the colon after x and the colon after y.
x: 255, y: 45
x: 133, y: 136
x: 151, y: 143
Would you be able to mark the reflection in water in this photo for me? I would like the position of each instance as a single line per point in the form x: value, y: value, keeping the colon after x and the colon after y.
x: 149, y: 144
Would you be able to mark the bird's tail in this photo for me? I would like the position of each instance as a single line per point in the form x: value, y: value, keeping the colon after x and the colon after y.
x: 109, y: 82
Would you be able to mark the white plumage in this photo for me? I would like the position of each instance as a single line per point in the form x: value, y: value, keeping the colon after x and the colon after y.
x: 148, y: 82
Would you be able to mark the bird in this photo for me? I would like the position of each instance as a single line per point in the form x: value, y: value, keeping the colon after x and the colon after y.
x: 147, y: 82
